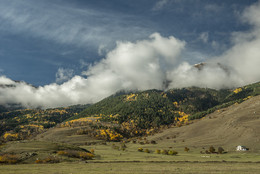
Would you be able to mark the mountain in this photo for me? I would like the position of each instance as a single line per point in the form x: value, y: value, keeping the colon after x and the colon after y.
x: 155, y: 107
x: 126, y: 114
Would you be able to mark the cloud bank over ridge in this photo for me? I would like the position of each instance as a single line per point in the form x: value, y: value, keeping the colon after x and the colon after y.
x: 130, y: 66
x: 154, y: 63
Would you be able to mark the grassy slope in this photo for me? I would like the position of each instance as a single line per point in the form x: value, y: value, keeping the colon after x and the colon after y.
x: 229, y: 127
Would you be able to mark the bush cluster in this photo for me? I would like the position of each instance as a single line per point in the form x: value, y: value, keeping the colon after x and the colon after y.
x: 140, y: 149
x: 213, y: 150
x: 147, y: 151
x: 186, y: 149
x: 49, y: 159
x: 76, y: 154
x: 157, y: 151
x: 9, y: 158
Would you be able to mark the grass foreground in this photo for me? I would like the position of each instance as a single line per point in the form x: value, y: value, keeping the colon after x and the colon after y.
x: 133, y: 167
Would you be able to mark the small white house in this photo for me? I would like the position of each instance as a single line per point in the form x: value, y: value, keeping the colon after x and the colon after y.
x: 241, y: 148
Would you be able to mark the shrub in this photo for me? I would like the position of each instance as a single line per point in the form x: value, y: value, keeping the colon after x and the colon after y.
x: 220, y: 150
x: 157, y: 151
x: 186, y: 149
x: 172, y: 152
x: 140, y: 149
x: 38, y: 161
x: 69, y: 153
x: 9, y: 158
x: 153, y: 142
x: 123, y: 149
x: 86, y: 155
x: 211, y: 149
x: 62, y: 153
x: 92, y: 151
x: 165, y: 152
x: 49, y: 159
x: 76, y: 154
x: 147, y: 151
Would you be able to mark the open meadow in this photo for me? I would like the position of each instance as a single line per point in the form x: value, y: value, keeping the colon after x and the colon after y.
x: 133, y: 167
x: 112, y: 158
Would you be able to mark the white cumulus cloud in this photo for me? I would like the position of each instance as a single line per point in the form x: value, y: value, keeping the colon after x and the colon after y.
x: 64, y: 75
x: 130, y: 66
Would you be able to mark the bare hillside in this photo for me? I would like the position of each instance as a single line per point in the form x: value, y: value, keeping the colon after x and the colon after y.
x: 236, y: 125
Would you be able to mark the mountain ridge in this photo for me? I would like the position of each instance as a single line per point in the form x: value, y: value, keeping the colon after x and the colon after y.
x: 131, y: 114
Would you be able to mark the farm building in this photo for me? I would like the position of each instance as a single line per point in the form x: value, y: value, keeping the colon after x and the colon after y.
x: 241, y: 148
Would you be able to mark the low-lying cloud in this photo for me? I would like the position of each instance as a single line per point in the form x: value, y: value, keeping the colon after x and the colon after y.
x: 238, y: 66
x: 154, y: 63
x: 130, y: 66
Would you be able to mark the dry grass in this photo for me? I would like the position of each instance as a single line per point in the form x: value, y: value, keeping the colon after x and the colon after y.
x: 133, y: 168
x: 229, y: 127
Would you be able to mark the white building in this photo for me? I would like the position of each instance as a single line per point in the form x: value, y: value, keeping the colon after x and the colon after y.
x: 241, y: 148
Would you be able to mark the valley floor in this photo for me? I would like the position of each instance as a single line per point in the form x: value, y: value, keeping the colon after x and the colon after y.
x: 133, y: 168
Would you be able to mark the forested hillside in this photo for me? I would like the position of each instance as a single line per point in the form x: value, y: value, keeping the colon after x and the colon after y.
x: 22, y: 124
x: 126, y: 114
x: 161, y: 107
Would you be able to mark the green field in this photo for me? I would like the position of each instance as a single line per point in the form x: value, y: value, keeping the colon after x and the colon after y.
x: 109, y: 154
x: 133, y: 167
x: 111, y: 160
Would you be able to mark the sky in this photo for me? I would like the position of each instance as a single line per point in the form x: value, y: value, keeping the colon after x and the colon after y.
x: 81, y: 51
